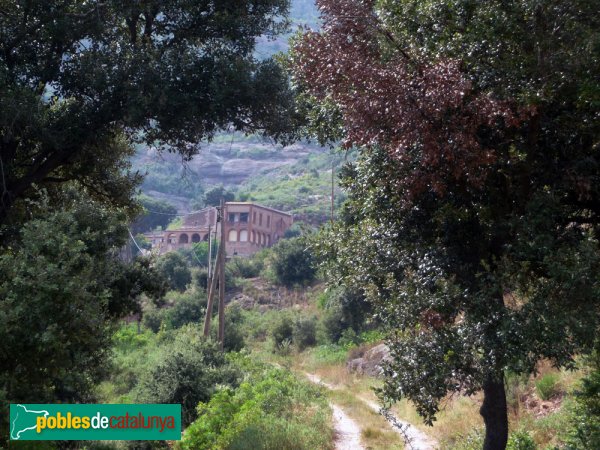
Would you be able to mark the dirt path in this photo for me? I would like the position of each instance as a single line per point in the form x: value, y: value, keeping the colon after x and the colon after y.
x: 347, y: 432
x: 413, y: 438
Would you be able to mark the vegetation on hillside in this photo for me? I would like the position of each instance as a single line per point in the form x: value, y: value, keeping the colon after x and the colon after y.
x: 457, y: 279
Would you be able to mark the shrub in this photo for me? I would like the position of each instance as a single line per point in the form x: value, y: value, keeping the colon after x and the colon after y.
x: 586, y: 421
x: 520, y: 440
x: 282, y: 331
x: 234, y: 336
x: 189, y: 372
x: 472, y: 441
x: 344, y: 308
x: 200, y: 278
x: 548, y: 386
x: 188, y: 308
x: 272, y: 410
x: 152, y: 319
x: 244, y: 267
x: 333, y: 323
x: 293, y: 263
x: 175, y: 269
x: 305, y: 333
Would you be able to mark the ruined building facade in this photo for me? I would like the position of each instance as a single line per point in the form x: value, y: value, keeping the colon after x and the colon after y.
x: 248, y: 228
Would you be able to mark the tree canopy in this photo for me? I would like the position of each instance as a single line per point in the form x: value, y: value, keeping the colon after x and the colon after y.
x: 79, y: 81
x: 472, y: 215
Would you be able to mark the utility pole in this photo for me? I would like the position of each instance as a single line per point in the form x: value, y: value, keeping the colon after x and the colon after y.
x: 221, y: 263
x: 332, y: 187
x: 209, y: 254
x: 212, y: 282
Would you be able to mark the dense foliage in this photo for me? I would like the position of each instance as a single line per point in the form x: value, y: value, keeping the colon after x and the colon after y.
x: 189, y: 373
x: 156, y: 213
x: 62, y: 287
x: 213, y: 196
x: 473, y: 208
x: 175, y: 269
x: 270, y: 410
x: 80, y: 81
x: 293, y: 262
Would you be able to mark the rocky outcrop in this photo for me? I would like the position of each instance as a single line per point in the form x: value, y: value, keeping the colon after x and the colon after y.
x: 370, y: 362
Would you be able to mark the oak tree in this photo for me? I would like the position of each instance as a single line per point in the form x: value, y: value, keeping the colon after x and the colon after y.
x: 80, y: 80
x: 472, y: 218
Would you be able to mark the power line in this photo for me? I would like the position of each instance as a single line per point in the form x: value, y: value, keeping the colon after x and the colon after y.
x: 177, y: 214
x: 134, y: 241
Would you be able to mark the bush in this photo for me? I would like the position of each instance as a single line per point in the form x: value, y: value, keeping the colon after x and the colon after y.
x: 272, y: 410
x: 586, y: 421
x: 175, y: 269
x: 189, y: 372
x: 548, y: 386
x: 152, y: 319
x: 244, y: 267
x: 188, y: 308
x: 305, y: 333
x: 333, y: 323
x: 520, y: 440
x: 234, y: 336
x: 282, y: 331
x: 200, y: 278
x: 293, y: 263
x: 472, y: 441
x: 345, y: 308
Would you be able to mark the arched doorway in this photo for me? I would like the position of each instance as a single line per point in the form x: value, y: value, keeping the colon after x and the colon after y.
x: 195, y: 237
x: 183, y: 238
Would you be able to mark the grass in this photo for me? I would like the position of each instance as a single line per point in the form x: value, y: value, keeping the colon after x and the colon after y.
x: 376, y: 432
x: 548, y: 386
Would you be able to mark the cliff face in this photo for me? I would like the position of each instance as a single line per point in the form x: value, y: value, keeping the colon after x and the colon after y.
x: 229, y: 161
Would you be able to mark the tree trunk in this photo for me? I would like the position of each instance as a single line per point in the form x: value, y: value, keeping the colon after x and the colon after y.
x: 495, y: 414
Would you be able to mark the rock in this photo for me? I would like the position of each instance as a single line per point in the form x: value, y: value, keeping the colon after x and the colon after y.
x: 370, y: 362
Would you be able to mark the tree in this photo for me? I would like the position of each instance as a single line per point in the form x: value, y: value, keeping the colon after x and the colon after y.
x: 293, y: 262
x: 189, y: 373
x: 175, y: 269
x: 80, y: 81
x: 471, y: 221
x: 156, y: 213
x: 62, y: 288
x: 213, y: 196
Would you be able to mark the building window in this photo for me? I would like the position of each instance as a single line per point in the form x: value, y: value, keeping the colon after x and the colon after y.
x: 268, y: 221
x: 233, y: 236
x: 231, y: 217
x: 254, y: 217
x: 244, y: 217
x: 243, y: 235
x: 260, y: 219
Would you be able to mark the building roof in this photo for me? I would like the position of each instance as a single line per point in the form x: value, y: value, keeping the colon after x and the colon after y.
x: 258, y: 206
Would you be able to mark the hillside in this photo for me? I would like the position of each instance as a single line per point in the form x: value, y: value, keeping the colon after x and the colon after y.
x: 303, y: 13
x: 245, y: 164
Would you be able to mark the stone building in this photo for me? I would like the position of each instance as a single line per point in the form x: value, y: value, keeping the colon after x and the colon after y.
x: 248, y: 228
